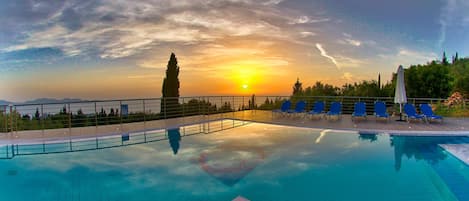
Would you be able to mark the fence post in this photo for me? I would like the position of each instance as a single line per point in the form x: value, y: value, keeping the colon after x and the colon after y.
x: 6, y: 119
x: 70, y: 119
x: 183, y: 111
x: 11, y: 119
x: 16, y: 119
x: 144, y: 114
x: 96, y: 117
x: 120, y: 110
x: 234, y: 109
x: 42, y: 119
x: 164, y: 106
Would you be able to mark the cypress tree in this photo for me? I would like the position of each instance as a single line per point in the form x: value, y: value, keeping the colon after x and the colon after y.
x: 379, y: 80
x: 297, y: 88
x: 444, y: 60
x: 170, y: 88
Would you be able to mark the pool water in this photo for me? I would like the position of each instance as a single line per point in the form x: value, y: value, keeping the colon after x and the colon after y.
x: 255, y: 161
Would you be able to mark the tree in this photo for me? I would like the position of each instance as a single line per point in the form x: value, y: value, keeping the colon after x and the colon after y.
x: 170, y: 88
x: 455, y: 58
x: 37, y: 115
x: 379, y: 80
x: 444, y: 60
x: 297, y: 87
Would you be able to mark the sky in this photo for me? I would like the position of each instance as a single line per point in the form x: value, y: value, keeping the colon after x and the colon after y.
x: 118, y: 49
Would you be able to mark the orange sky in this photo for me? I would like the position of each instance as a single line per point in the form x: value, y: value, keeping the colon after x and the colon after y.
x: 119, y: 49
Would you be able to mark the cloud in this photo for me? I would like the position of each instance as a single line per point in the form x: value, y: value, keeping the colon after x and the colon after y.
x: 143, y: 76
x: 353, y: 42
x: 419, y: 56
x: 119, y: 29
x: 307, y: 20
x: 347, y: 76
x: 350, y: 40
x: 305, y: 34
x: 324, y: 54
x: 453, y: 14
x: 407, y: 57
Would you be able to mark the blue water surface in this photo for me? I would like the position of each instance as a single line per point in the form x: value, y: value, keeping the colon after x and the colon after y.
x: 255, y: 161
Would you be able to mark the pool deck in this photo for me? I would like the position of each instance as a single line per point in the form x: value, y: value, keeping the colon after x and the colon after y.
x: 449, y: 127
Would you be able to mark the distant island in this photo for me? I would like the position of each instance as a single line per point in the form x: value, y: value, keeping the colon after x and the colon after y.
x: 43, y: 101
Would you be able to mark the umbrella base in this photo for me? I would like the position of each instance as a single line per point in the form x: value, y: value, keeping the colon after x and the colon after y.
x: 400, y: 117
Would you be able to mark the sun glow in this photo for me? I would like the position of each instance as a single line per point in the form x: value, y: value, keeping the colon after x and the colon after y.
x: 245, y: 86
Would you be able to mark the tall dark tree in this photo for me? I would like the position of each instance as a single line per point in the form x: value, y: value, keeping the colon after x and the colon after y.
x: 455, y: 58
x: 37, y: 115
x: 297, y: 87
x: 170, y: 88
x: 444, y: 60
x: 379, y: 80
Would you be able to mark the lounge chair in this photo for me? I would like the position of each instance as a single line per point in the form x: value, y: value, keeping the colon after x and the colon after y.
x: 318, y: 108
x: 284, y: 108
x: 335, y: 110
x: 359, y: 110
x: 411, y: 113
x: 428, y: 113
x: 299, y: 108
x: 380, y: 110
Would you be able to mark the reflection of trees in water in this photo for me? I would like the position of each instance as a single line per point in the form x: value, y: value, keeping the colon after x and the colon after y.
x: 419, y: 148
x: 174, y: 136
x: 368, y: 136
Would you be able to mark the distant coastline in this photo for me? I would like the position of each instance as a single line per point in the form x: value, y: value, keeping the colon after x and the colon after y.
x: 43, y: 100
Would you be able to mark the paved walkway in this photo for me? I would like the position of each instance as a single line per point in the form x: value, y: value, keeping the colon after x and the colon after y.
x: 450, y: 126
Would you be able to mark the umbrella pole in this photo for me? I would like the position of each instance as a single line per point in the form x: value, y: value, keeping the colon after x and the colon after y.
x: 400, y: 112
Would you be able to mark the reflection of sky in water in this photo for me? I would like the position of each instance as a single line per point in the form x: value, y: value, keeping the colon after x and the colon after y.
x: 257, y: 161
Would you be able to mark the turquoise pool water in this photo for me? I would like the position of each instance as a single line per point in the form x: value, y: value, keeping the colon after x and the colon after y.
x: 255, y: 161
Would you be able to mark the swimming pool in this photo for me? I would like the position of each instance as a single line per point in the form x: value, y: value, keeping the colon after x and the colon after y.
x: 255, y: 161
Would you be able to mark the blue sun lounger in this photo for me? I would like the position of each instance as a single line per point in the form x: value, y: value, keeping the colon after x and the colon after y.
x: 359, y: 110
x: 318, y: 108
x: 284, y: 108
x: 299, y: 108
x: 411, y: 113
x: 428, y: 113
x: 335, y: 110
x: 380, y: 110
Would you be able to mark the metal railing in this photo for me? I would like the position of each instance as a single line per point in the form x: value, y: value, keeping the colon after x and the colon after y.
x: 24, y: 117
x: 94, y: 143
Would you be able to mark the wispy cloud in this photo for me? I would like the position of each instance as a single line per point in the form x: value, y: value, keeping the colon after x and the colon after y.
x: 347, y: 76
x: 307, y: 20
x: 117, y: 29
x: 324, y: 54
x: 353, y: 42
x: 453, y: 13
x: 349, y: 40
x: 406, y: 56
x: 305, y: 34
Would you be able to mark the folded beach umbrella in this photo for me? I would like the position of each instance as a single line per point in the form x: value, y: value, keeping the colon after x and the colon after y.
x: 400, y: 96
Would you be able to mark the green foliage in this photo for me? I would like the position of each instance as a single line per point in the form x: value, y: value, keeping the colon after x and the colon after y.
x: 364, y: 88
x: 252, y: 103
x: 297, y: 87
x: 460, y: 72
x: 432, y: 80
x: 270, y: 104
x: 444, y: 59
x: 170, y: 88
x: 453, y: 111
